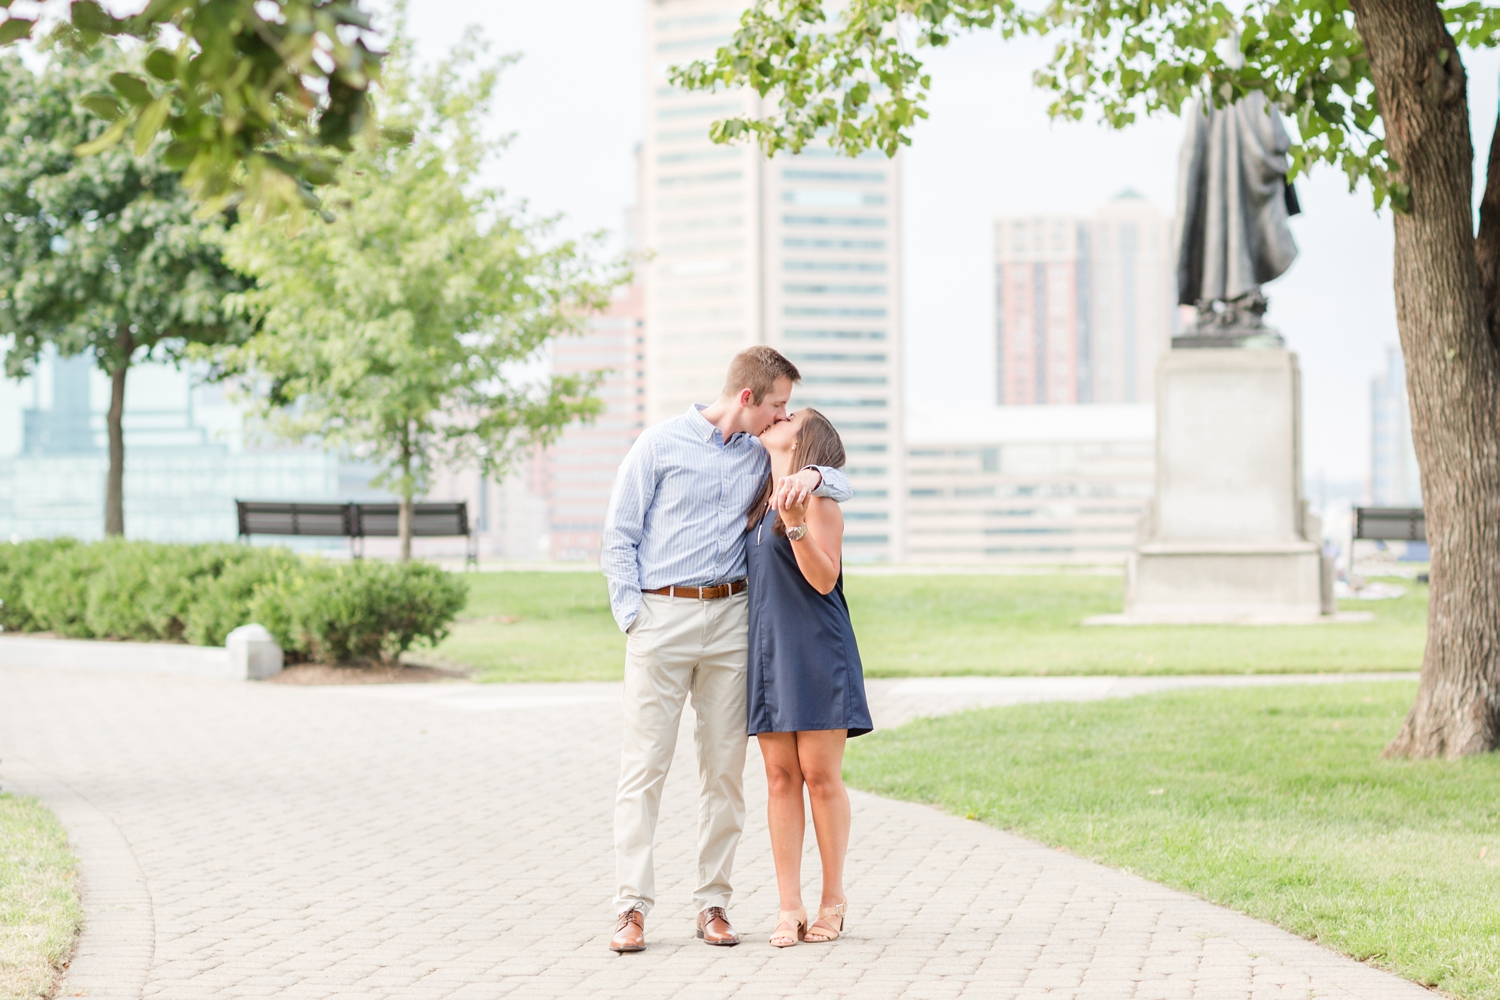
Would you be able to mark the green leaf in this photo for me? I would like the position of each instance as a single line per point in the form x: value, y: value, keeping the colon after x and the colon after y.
x: 89, y: 16
x: 103, y: 105
x: 15, y: 29
x: 397, y: 136
x: 161, y: 64
x: 178, y: 155
x: 131, y: 87
x: 108, y: 139
x: 150, y: 123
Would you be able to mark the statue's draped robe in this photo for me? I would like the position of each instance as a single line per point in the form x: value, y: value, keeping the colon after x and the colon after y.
x: 1232, y: 196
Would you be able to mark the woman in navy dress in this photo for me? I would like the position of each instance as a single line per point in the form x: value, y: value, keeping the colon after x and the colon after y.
x: 807, y: 690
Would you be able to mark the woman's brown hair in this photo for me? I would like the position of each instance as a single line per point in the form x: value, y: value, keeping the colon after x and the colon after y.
x: 817, y: 444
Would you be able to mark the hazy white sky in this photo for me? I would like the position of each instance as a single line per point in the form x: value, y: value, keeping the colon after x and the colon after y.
x: 574, y: 105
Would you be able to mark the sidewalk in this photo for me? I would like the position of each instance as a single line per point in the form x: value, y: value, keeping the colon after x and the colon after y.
x: 433, y: 841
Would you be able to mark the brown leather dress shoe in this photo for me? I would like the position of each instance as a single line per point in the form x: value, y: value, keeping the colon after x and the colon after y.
x: 630, y: 932
x: 713, y: 927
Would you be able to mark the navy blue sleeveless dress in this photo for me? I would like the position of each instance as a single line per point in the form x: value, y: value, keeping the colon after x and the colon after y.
x: 804, y: 671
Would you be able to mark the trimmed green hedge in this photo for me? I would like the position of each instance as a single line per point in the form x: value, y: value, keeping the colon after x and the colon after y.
x: 145, y: 591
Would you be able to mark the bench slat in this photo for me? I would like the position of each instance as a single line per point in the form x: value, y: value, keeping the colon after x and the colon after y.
x: 1398, y: 524
x: 350, y: 520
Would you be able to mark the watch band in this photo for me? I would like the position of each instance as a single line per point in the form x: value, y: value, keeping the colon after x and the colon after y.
x: 796, y: 534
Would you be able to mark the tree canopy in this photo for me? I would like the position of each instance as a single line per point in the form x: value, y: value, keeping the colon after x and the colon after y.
x: 261, y: 97
x: 857, y: 78
x: 98, y: 254
x: 398, y: 331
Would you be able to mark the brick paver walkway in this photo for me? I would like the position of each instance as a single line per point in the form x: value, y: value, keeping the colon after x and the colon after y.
x: 251, y: 840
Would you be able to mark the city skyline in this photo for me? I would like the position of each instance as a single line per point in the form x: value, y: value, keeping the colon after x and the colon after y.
x: 987, y: 149
x: 1083, y: 306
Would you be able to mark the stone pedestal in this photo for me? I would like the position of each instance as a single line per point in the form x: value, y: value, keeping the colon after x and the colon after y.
x: 1228, y: 537
x: 253, y: 653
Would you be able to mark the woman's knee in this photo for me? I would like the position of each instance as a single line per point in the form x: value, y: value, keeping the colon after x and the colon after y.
x: 782, y: 780
x: 823, y: 780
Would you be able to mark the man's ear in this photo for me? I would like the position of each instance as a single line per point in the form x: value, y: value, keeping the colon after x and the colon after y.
x: 746, y: 395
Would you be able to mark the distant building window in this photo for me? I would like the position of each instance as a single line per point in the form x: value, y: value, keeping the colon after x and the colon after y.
x: 867, y: 539
x: 865, y: 266
x: 835, y: 334
x: 833, y: 403
x: 866, y: 312
x: 926, y: 493
x: 845, y: 380
x: 699, y: 110
x: 862, y: 221
x: 805, y: 357
x: 799, y: 289
x: 870, y: 494
x: 825, y: 243
x: 827, y: 153
x: 867, y: 515
x: 681, y: 180
x: 824, y: 197
x: 707, y: 154
x: 795, y: 174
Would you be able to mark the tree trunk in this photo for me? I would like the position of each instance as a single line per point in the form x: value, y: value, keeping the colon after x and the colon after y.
x: 403, y: 521
x: 114, y: 483
x: 404, y: 526
x: 1452, y: 374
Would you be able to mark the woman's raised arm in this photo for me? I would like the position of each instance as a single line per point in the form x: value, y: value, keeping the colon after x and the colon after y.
x: 820, y: 552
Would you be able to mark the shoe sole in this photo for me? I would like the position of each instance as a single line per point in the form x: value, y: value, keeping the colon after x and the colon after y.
x: 627, y: 949
x: 718, y: 944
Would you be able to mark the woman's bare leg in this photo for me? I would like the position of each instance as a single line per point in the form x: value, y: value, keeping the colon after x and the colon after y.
x: 784, y: 813
x: 820, y: 756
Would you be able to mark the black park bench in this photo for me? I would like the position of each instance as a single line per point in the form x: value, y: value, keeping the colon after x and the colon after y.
x: 1387, y: 524
x: 356, y: 522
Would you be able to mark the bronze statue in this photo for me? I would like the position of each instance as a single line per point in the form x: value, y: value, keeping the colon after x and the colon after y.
x: 1233, y: 201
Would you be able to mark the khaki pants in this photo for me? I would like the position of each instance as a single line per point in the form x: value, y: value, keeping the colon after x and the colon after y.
x: 679, y: 646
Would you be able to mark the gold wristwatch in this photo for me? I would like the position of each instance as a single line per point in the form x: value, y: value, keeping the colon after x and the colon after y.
x: 796, y: 534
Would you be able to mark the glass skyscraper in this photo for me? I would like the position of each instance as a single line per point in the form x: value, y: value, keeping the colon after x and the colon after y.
x: 801, y: 253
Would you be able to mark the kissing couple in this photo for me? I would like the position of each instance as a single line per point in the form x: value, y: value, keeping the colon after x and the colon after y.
x: 723, y: 548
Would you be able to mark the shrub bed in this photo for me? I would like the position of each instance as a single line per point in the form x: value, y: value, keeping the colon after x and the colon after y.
x: 145, y: 591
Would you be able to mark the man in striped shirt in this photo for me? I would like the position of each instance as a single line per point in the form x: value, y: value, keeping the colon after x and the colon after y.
x: 674, y: 556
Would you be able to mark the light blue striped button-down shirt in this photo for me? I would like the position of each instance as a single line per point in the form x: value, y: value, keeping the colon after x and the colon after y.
x: 677, y: 512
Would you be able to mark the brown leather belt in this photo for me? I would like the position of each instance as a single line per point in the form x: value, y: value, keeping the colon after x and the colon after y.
x: 701, y: 593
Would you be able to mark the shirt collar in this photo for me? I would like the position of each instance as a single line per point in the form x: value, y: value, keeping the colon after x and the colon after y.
x: 701, y: 426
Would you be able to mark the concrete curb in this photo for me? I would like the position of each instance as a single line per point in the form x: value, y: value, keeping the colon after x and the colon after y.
x: 117, y: 943
x: 209, y: 662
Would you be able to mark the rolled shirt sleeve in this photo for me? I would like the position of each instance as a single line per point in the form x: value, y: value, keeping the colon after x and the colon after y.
x: 835, y: 485
x: 624, y: 527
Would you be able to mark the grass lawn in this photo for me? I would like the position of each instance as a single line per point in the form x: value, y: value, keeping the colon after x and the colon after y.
x: 39, y: 911
x: 1273, y: 801
x: 557, y: 627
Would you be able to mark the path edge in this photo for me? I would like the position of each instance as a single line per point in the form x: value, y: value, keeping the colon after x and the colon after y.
x: 117, y: 940
x: 1263, y: 938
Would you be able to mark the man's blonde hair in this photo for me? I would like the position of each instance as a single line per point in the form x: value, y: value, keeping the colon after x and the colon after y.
x: 757, y: 369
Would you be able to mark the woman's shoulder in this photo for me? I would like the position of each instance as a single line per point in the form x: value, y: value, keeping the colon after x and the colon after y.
x: 824, y: 507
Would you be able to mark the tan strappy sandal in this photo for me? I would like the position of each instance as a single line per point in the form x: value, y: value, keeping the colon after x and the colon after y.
x: 827, y: 932
x: 797, y: 919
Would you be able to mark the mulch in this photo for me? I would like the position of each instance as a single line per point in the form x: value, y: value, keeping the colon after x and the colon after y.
x: 365, y: 673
